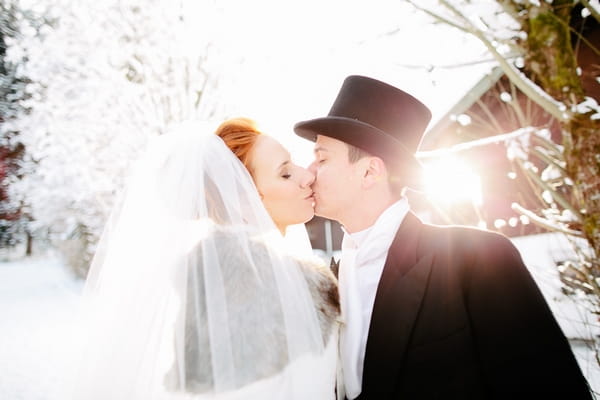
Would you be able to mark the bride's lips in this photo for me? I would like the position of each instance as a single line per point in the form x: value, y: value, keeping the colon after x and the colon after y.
x: 311, y: 198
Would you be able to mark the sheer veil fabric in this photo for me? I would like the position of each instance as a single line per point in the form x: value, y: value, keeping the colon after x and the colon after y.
x: 194, y: 294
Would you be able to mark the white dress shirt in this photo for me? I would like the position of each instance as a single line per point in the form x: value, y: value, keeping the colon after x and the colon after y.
x: 363, y: 257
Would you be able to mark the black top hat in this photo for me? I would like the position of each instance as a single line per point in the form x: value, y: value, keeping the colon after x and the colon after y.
x: 376, y: 117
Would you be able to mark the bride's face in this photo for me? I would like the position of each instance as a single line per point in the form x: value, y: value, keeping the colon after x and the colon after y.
x: 284, y: 187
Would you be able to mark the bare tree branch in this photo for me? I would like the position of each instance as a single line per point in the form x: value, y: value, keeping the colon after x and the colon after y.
x: 542, y: 98
x: 544, y: 223
x: 591, y: 9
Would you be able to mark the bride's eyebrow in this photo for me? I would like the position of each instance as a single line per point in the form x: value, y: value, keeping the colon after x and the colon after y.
x: 283, y: 164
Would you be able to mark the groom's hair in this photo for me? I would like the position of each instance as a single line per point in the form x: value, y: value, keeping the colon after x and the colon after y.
x: 394, y: 179
x: 356, y: 153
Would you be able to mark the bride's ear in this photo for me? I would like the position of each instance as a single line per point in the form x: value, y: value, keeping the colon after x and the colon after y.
x: 374, y: 172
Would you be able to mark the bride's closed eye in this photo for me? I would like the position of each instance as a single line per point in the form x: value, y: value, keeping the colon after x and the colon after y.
x: 286, y: 171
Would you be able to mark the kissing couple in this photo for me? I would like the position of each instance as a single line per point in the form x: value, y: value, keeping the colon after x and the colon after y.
x: 197, y: 292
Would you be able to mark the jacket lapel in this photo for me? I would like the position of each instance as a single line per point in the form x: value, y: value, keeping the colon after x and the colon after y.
x: 397, y: 303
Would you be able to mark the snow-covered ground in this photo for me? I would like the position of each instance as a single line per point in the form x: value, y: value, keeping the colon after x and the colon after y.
x: 39, y: 303
x: 541, y: 253
x: 38, y: 307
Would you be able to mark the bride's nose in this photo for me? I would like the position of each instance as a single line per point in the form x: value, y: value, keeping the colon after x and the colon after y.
x: 307, y: 178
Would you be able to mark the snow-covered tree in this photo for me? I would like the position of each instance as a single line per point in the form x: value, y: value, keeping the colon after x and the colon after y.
x: 105, y: 76
x: 534, y: 43
x: 12, y: 91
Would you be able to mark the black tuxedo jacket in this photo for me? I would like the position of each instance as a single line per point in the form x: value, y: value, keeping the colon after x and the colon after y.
x: 458, y: 316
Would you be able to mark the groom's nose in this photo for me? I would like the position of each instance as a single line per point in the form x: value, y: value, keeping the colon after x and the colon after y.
x: 313, y: 168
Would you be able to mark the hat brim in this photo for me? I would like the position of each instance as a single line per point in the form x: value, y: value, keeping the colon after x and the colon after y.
x: 363, y: 136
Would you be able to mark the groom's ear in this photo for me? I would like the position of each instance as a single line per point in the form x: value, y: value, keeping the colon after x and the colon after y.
x: 374, y: 171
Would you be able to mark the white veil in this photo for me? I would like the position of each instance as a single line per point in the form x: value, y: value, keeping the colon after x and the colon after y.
x: 189, y: 294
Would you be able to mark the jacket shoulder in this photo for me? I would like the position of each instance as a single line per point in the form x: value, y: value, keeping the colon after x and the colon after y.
x: 465, y: 238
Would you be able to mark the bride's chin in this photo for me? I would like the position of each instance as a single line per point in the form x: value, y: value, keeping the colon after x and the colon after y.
x: 309, y: 215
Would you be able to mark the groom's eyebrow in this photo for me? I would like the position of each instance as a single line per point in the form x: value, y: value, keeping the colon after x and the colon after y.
x: 319, y: 149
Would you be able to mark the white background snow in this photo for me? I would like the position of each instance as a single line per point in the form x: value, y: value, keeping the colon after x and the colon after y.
x: 38, y: 308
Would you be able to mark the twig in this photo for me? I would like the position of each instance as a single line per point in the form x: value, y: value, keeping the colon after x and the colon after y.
x: 544, y: 223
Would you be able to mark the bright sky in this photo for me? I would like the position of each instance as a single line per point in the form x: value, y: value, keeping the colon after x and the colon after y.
x: 283, y: 62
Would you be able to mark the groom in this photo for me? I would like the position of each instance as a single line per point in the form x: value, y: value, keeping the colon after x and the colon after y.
x: 430, y: 312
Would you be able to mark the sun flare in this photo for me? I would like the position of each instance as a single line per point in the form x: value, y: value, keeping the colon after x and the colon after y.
x: 451, y: 181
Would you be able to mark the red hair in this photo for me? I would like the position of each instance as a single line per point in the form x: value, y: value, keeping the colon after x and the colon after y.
x: 240, y: 135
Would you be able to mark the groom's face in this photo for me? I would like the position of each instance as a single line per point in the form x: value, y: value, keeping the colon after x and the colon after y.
x: 337, y: 181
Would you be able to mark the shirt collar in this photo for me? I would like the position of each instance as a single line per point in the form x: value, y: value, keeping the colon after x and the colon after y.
x: 389, y: 221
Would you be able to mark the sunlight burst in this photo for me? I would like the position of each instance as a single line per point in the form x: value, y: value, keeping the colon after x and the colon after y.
x: 450, y: 181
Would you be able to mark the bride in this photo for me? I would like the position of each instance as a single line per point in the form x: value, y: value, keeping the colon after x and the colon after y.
x: 195, y: 291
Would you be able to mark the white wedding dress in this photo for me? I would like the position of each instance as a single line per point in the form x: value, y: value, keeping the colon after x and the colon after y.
x: 313, y: 378
x: 194, y: 294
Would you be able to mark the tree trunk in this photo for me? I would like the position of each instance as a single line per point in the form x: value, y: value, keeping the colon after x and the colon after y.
x: 29, y: 244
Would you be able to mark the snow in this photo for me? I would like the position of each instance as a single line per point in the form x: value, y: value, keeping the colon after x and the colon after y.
x: 541, y: 253
x: 39, y: 304
x: 595, y: 5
